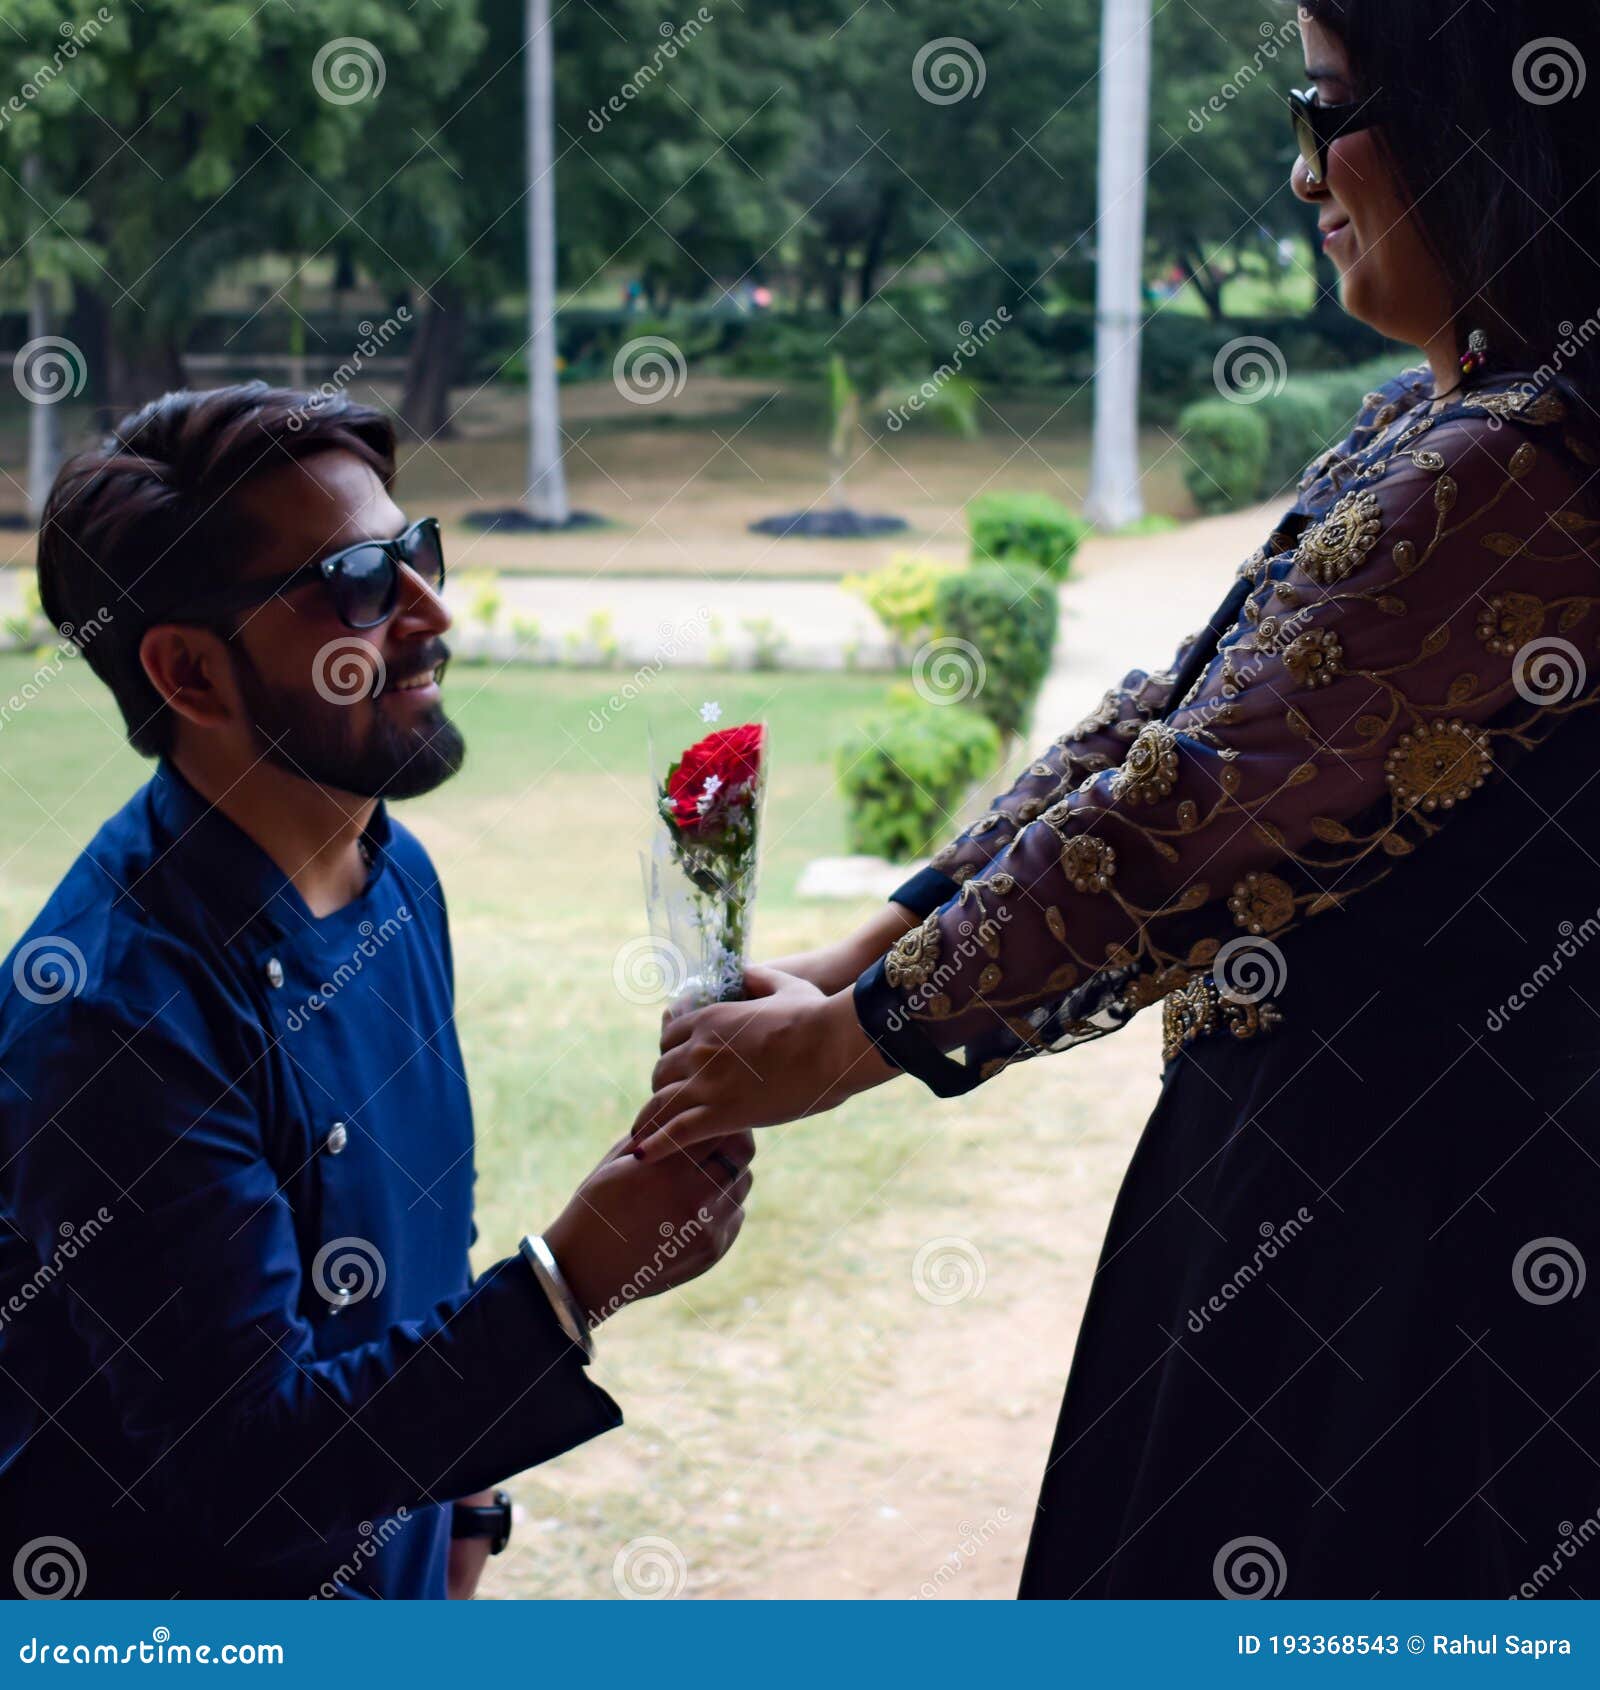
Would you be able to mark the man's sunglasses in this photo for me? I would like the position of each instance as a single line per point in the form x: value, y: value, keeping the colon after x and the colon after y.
x: 363, y: 580
x: 1317, y: 127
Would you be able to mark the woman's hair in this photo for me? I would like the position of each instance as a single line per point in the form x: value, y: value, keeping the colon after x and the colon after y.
x: 1492, y: 114
x: 139, y: 525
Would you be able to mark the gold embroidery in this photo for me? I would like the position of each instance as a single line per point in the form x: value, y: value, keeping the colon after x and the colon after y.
x: 1199, y: 1009
x: 1088, y: 863
x: 1509, y: 621
x: 1313, y: 658
x: 914, y: 956
x: 1436, y: 766
x: 1150, y: 770
x: 1262, y: 903
x: 1339, y: 544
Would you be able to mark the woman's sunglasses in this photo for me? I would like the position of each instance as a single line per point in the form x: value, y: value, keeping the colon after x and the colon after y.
x: 1317, y: 127
x: 363, y: 580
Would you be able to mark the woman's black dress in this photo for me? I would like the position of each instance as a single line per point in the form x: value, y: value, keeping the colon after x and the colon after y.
x: 1340, y: 1341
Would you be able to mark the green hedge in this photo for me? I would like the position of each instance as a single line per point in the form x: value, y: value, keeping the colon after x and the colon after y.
x: 1025, y: 528
x: 1240, y: 453
x: 1225, y: 453
x: 905, y: 772
x: 1006, y: 614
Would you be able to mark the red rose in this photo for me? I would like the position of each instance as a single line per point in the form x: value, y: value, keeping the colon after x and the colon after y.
x: 732, y: 755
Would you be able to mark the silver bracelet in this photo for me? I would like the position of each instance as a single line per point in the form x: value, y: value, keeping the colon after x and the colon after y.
x: 574, y: 1322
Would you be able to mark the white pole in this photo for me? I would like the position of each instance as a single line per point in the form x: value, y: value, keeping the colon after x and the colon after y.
x: 547, y: 484
x: 1114, y: 492
x: 44, y: 421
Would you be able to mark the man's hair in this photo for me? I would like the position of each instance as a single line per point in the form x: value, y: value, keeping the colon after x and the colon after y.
x: 143, y: 523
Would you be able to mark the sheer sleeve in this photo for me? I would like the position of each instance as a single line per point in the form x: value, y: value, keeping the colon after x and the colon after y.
x: 1435, y: 620
x: 1097, y: 743
x: 1101, y: 740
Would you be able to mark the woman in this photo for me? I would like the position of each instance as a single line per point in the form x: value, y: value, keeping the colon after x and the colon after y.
x: 1350, y: 842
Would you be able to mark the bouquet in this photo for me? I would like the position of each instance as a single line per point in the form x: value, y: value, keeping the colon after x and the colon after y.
x: 700, y: 875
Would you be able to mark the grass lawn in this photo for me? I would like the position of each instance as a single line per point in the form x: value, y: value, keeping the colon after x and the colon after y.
x: 803, y: 1420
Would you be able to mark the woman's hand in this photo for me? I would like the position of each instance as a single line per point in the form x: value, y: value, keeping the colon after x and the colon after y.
x: 830, y: 968
x: 785, y: 1051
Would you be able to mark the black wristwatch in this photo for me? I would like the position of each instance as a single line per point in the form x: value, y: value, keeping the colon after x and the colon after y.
x: 491, y: 1520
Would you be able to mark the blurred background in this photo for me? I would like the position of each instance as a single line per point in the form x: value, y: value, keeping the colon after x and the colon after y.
x: 899, y: 374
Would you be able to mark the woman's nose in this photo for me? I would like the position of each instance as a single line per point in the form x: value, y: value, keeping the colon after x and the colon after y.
x: 1301, y: 184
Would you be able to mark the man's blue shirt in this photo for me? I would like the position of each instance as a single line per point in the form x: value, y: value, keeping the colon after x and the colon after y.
x: 241, y: 1351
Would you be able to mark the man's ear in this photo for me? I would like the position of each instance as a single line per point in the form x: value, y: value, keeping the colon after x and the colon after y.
x: 189, y: 668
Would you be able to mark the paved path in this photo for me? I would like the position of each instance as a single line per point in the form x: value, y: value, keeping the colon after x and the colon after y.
x: 1127, y: 604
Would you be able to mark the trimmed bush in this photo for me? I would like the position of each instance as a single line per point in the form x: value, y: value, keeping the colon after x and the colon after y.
x: 902, y: 595
x: 1312, y: 413
x: 1300, y: 424
x: 906, y: 771
x: 1226, y: 448
x: 1024, y: 528
x: 997, y: 627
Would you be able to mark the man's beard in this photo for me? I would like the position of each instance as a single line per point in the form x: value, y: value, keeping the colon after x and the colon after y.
x: 320, y: 741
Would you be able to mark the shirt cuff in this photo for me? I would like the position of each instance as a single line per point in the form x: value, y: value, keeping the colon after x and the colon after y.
x: 925, y: 891
x: 882, y: 1013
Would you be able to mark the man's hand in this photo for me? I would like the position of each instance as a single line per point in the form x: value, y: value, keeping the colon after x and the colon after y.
x: 635, y: 1230
x: 784, y: 1052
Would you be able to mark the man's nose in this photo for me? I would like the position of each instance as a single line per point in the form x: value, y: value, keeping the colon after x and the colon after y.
x: 418, y: 607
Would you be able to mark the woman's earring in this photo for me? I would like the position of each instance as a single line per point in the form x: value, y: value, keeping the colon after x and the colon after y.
x: 1476, y: 354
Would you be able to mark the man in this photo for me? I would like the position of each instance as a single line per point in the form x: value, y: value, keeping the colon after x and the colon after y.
x: 242, y: 1351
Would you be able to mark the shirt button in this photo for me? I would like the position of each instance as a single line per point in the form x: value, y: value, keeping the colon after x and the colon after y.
x: 338, y: 1138
x: 274, y: 972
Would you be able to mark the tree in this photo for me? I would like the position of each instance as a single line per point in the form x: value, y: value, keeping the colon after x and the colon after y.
x: 180, y: 140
